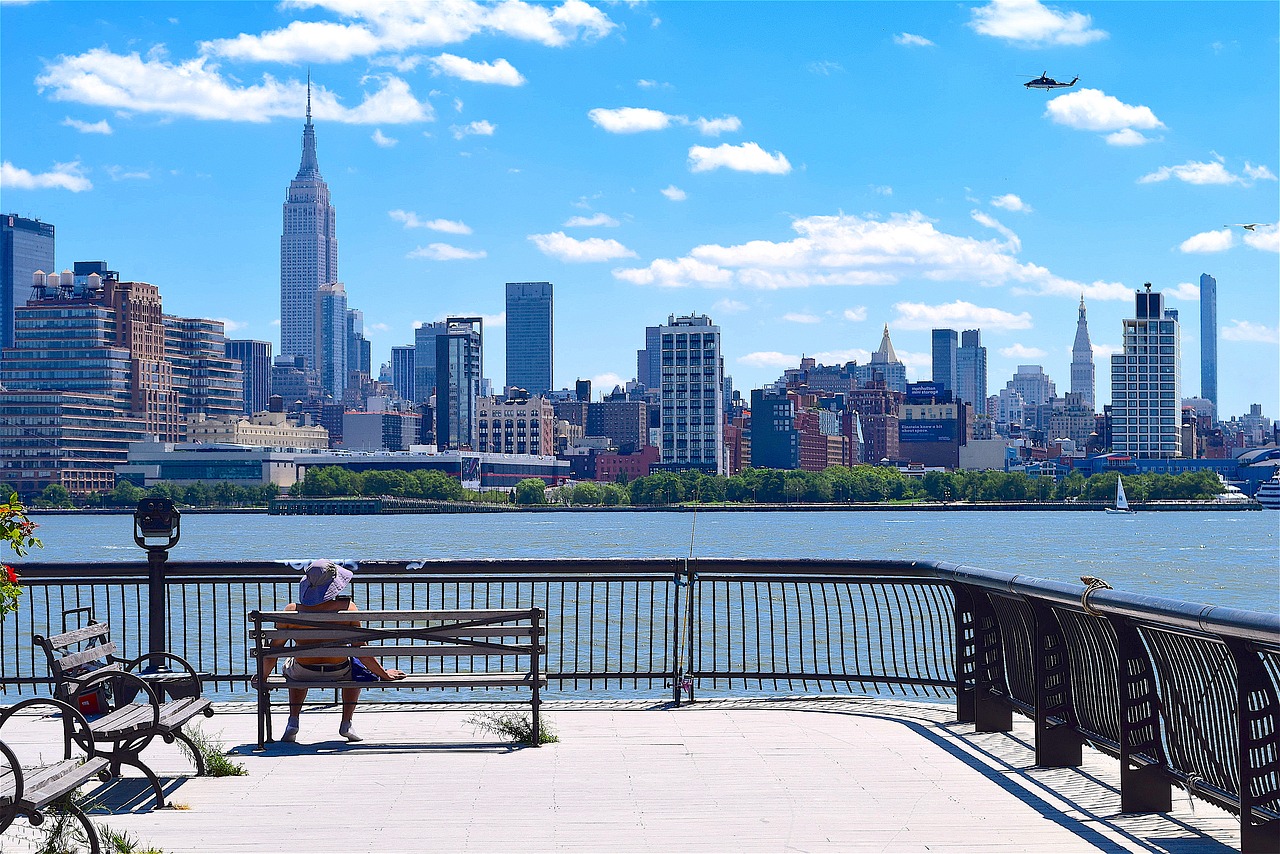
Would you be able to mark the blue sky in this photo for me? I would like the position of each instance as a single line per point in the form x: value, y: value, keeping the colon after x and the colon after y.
x: 803, y: 172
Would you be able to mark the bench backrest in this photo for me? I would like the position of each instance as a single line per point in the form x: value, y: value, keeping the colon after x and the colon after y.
x: 76, y: 655
x: 328, y: 634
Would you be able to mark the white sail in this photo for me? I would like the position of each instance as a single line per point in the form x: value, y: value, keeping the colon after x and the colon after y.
x: 1122, y: 503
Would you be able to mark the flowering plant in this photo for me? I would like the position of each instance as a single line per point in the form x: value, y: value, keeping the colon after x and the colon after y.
x: 18, y: 532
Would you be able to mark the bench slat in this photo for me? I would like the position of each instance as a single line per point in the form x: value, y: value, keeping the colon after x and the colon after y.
x: 374, y: 633
x: 380, y: 650
x: 47, y: 783
x: 414, y: 616
x: 84, y: 633
x: 421, y: 680
x: 75, y: 659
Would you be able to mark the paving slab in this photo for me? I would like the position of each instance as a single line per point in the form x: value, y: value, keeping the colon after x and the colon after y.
x: 739, y: 775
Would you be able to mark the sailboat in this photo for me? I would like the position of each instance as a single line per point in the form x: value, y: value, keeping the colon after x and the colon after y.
x: 1122, y: 503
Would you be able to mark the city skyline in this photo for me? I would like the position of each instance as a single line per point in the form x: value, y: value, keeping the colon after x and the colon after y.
x: 802, y: 200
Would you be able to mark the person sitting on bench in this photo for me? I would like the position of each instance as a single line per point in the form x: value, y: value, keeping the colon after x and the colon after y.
x: 323, y: 589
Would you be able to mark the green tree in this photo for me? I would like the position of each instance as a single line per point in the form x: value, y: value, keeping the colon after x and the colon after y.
x: 434, y: 486
x: 531, y: 490
x: 55, y: 495
x: 587, y: 493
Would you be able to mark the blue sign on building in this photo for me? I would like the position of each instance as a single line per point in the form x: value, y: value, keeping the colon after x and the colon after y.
x: 926, y: 431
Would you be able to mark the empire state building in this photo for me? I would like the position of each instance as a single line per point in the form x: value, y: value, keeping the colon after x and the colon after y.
x: 308, y: 251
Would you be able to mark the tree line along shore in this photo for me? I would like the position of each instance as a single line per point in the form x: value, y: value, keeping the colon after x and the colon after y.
x: 837, y: 485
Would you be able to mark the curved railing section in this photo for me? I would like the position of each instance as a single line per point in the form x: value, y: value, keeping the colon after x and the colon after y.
x: 1181, y: 693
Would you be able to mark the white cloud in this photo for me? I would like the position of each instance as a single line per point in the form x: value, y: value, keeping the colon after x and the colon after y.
x: 1011, y: 202
x: 1094, y: 110
x: 674, y: 193
x: 446, y: 226
x: 801, y: 317
x: 856, y: 314
x: 375, y: 28
x: 606, y: 382
x: 1029, y: 23
x: 1210, y: 172
x: 1264, y: 237
x: 499, y: 73
x: 911, y: 40
x: 445, y: 252
x: 229, y: 325
x: 882, y: 189
x: 1105, y: 351
x: 1247, y: 330
x: 642, y: 119
x: 1127, y: 138
x: 197, y: 89
x: 825, y: 67
x: 86, y: 127
x: 630, y: 119
x: 1209, y: 241
x: 839, y: 357
x: 745, y: 157
x: 769, y: 359
x: 1019, y: 351
x: 729, y: 306
x: 63, y: 176
x: 570, y: 250
x: 382, y: 140
x: 715, y: 127
x: 853, y: 250
x: 1183, y: 291
x: 120, y: 173
x: 483, y: 127
x: 596, y: 220
x: 916, y: 315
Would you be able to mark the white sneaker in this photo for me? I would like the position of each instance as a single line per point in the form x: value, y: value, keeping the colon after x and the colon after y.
x: 348, y: 733
x: 290, y: 733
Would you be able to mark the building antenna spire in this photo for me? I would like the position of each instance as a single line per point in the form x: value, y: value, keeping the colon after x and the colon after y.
x: 308, y: 94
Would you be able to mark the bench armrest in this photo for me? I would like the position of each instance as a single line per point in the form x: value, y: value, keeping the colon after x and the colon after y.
x: 182, y: 686
x: 75, y: 727
x: 9, y: 809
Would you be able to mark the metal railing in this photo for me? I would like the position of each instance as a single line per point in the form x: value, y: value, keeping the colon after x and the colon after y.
x: 1182, y: 694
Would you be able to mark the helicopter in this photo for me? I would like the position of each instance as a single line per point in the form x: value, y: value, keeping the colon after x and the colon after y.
x: 1046, y: 82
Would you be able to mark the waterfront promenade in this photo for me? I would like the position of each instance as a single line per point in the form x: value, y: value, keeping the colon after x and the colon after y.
x: 743, y: 775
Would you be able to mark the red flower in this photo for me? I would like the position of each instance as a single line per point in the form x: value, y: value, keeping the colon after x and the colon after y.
x: 13, y: 576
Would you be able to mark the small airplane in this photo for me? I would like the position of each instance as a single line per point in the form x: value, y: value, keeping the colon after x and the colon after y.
x: 1046, y: 82
x: 1247, y: 226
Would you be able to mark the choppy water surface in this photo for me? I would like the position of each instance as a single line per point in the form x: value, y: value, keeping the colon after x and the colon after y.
x: 1220, y: 558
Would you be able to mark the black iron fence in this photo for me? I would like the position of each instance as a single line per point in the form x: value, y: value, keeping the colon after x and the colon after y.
x: 1181, y: 693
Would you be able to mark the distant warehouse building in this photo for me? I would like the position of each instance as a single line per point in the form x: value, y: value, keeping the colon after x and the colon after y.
x: 186, y: 463
x: 477, y: 471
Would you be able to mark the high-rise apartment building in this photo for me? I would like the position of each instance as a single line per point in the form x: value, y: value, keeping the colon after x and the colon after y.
x: 530, y: 339
x: 402, y: 372
x: 519, y: 425
x: 1209, y: 340
x: 1082, y: 374
x: 692, y: 395
x: 775, y: 442
x: 26, y: 245
x: 971, y: 371
x: 255, y: 363
x: 331, y: 337
x: 1146, y: 397
x: 1034, y: 385
x: 359, y: 350
x: 459, y: 367
x: 308, y: 251
x: 885, y: 366
x: 424, y: 359
x: 944, y: 358
x: 206, y: 382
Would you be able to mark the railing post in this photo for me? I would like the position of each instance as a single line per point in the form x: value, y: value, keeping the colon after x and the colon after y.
x: 991, y: 710
x: 1257, y: 720
x: 1058, y: 741
x: 966, y: 652
x: 1144, y: 784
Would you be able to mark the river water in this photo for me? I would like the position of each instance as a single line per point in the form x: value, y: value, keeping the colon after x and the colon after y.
x: 1221, y: 558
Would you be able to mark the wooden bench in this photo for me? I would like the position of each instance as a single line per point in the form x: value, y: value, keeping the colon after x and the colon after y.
x: 474, y: 636
x: 31, y: 790
x: 126, y: 708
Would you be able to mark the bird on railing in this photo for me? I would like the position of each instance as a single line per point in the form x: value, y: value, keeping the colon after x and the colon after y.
x: 1092, y: 583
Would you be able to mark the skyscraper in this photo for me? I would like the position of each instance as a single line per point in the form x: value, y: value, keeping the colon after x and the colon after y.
x: 459, y: 366
x: 1082, y: 377
x: 692, y: 395
x: 971, y: 370
x: 529, y: 337
x: 1146, y: 398
x: 885, y: 365
x: 26, y: 245
x: 424, y: 359
x: 308, y: 251
x: 255, y: 362
x: 1209, y: 340
x: 649, y: 360
x: 331, y: 337
x: 944, y: 358
x: 402, y: 372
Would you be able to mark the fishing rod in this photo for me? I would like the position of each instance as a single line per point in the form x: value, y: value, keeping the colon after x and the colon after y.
x: 683, y: 681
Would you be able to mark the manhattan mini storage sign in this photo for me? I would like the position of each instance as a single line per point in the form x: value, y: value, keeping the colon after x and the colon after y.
x: 926, y: 431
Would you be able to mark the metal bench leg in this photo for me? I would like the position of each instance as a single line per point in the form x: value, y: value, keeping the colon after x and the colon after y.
x: 196, y: 755
x: 136, y: 762
x: 90, y: 832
